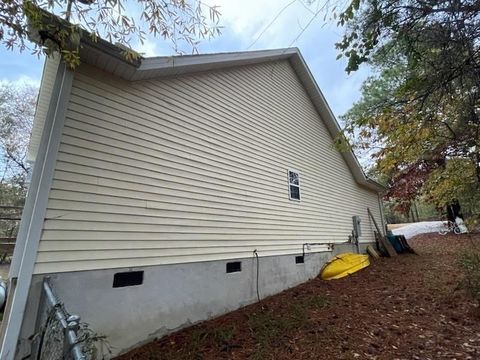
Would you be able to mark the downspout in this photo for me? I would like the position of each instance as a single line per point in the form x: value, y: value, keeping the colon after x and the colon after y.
x: 36, y: 205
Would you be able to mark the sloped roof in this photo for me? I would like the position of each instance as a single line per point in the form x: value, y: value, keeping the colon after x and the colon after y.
x: 109, y: 58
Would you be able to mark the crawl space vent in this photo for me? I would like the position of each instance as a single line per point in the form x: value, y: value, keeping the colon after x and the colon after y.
x: 129, y: 278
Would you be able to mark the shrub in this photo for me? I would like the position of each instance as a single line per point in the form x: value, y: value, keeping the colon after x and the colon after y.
x: 473, y: 223
x: 470, y: 262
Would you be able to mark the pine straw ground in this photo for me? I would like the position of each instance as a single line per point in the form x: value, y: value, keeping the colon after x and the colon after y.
x: 408, y: 307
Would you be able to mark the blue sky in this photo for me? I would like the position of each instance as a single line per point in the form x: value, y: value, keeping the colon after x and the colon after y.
x: 244, y: 21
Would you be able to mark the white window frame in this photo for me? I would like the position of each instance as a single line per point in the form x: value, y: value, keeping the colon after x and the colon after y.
x: 290, y: 184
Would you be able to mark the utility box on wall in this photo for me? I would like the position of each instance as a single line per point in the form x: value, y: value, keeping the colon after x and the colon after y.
x: 357, y: 229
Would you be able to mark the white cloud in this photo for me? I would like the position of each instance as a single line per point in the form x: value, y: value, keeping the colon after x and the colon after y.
x: 274, y: 23
x: 253, y: 24
x: 279, y: 23
x: 148, y: 48
x: 244, y: 21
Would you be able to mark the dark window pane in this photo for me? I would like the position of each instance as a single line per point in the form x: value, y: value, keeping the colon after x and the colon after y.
x: 293, y: 177
x: 294, y: 192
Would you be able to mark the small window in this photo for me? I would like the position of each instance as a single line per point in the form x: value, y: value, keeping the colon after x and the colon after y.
x: 235, y: 266
x: 293, y: 185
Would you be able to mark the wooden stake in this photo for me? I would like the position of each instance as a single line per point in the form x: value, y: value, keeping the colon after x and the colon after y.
x: 382, y: 239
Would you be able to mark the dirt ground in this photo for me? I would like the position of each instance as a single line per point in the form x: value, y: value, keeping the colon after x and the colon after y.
x: 408, y: 307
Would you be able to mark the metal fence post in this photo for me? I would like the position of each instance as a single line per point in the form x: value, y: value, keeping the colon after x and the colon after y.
x: 70, y: 324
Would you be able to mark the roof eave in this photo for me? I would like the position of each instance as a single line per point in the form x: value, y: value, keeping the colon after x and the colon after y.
x: 110, y: 58
x: 165, y: 66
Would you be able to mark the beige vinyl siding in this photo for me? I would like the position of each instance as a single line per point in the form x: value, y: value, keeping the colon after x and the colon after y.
x: 195, y: 169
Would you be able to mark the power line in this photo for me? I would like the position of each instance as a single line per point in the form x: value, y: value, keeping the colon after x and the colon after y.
x: 307, y: 8
x: 271, y: 22
x: 314, y: 16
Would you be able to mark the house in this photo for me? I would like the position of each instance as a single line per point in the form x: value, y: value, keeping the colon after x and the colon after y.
x: 162, y: 187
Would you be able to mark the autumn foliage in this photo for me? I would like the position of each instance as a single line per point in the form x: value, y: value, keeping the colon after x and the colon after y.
x: 418, y: 118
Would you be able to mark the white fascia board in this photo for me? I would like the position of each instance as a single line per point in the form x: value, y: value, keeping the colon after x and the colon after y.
x: 49, y: 68
x: 162, y: 66
x: 31, y: 225
x: 178, y: 65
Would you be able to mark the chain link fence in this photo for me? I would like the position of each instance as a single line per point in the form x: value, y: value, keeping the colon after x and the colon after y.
x: 52, y: 345
x: 61, y: 336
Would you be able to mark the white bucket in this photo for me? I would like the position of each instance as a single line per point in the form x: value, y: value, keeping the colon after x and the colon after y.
x: 461, y: 225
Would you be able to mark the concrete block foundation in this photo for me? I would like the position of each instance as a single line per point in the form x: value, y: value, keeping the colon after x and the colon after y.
x: 171, y: 296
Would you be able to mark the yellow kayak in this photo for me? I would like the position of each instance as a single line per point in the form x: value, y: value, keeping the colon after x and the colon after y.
x: 343, y: 265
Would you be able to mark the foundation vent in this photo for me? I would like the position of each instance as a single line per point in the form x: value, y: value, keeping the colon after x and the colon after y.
x: 235, y: 266
x: 129, y: 278
x: 299, y: 259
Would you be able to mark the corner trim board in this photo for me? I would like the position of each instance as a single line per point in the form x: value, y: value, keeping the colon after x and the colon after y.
x: 35, y: 208
x: 33, y: 188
